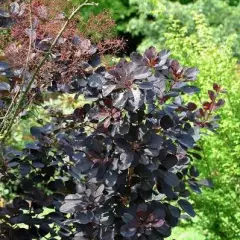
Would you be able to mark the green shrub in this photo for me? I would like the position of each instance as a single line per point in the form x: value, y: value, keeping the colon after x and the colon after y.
x: 223, y: 18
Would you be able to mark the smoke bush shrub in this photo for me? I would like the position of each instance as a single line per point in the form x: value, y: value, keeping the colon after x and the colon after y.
x: 120, y: 166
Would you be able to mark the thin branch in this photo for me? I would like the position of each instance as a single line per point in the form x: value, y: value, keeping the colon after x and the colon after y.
x: 4, y: 121
x: 1, y: 155
x: 4, y: 131
x: 30, y: 38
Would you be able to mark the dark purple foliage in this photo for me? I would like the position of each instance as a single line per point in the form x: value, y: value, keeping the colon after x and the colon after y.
x: 118, y: 168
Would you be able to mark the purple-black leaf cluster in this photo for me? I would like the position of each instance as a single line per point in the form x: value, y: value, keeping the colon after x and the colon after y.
x: 120, y: 167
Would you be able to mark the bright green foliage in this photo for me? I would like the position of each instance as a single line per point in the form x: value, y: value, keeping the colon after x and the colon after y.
x: 223, y: 18
x: 180, y: 233
x: 21, y: 135
x: 218, y: 209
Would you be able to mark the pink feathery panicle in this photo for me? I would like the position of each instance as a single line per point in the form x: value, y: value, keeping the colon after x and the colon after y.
x: 82, y: 39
